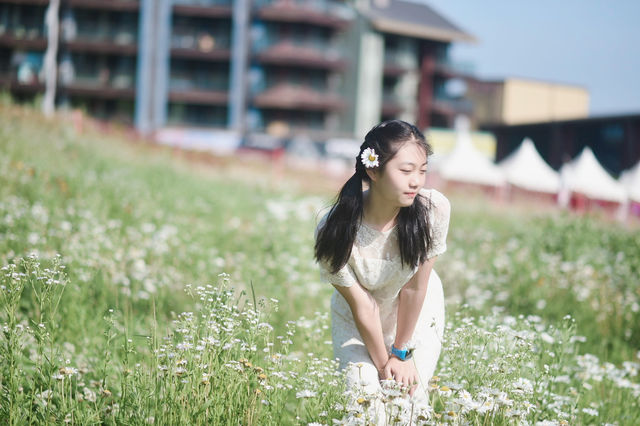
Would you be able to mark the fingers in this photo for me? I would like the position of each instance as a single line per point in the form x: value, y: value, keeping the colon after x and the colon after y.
x: 386, y: 372
x: 405, y: 380
x: 416, y: 383
x: 403, y: 374
x: 413, y: 388
x: 409, y: 382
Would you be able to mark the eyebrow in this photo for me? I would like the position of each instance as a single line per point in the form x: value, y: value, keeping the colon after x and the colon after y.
x: 412, y: 164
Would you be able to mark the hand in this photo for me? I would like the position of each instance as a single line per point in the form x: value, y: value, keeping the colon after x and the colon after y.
x: 384, y: 373
x: 403, y: 372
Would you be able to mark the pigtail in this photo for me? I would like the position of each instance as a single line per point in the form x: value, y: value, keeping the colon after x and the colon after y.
x: 414, y: 238
x: 335, y: 238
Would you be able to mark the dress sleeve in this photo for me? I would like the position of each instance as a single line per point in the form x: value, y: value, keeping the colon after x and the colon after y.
x: 345, y: 277
x: 439, y: 216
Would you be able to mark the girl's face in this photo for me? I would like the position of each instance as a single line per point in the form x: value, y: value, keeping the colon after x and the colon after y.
x: 402, y: 177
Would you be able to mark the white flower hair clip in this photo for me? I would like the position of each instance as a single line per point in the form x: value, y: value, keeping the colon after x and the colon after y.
x: 369, y: 158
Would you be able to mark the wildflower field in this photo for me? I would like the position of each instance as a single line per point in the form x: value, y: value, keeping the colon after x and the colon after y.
x: 136, y: 288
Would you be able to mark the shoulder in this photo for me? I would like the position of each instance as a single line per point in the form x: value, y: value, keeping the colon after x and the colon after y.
x: 438, y: 200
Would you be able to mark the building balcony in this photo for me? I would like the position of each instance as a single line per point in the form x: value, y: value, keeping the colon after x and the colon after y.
x: 208, y: 47
x: 117, y: 5
x: 12, y: 84
x: 202, y: 87
x: 22, y: 41
x: 287, y: 53
x: 21, y: 71
x: 86, y: 87
x: 203, y: 8
x: 393, y: 70
x: 213, y: 55
x: 397, y: 63
x: 289, y: 96
x: 199, y: 96
x: 203, y: 116
x: 327, y: 13
x: 28, y: 2
x: 22, y: 23
x: 101, y: 31
x: 104, y: 92
x: 120, y: 86
x: 82, y: 44
x: 449, y: 69
x: 451, y: 106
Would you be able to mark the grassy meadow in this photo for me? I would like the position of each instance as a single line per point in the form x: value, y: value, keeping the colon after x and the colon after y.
x: 140, y: 288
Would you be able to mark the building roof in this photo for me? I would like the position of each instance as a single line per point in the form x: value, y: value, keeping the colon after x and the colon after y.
x: 413, y: 19
x: 590, y: 120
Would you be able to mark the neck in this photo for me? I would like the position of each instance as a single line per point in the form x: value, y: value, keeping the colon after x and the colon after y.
x: 378, y: 213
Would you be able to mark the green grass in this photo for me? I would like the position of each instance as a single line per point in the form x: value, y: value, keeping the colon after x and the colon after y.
x: 133, y: 321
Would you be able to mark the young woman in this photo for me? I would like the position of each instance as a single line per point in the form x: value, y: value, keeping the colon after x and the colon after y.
x: 377, y: 248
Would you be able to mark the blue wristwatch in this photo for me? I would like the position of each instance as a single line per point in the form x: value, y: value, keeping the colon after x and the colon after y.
x: 401, y: 354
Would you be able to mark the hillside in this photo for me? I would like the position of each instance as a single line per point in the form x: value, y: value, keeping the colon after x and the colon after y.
x: 132, y: 274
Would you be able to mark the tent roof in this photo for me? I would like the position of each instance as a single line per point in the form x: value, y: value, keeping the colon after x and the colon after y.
x: 526, y: 169
x: 466, y: 164
x: 585, y: 175
x: 630, y: 179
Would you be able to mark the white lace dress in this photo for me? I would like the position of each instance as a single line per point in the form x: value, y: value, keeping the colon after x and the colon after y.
x: 375, y: 264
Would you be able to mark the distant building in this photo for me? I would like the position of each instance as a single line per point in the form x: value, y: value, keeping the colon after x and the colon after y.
x: 96, y: 57
x: 519, y: 101
x: 296, y: 66
x: 285, y: 67
x: 403, y: 45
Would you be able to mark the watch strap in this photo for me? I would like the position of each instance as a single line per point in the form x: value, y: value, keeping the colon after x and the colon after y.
x: 401, y: 354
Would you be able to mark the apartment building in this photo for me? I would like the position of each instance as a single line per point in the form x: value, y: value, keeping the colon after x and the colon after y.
x: 282, y: 67
x: 96, y: 56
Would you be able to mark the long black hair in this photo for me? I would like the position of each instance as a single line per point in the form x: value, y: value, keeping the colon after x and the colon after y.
x: 335, y: 238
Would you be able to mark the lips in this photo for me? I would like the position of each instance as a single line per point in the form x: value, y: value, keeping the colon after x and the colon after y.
x: 410, y: 194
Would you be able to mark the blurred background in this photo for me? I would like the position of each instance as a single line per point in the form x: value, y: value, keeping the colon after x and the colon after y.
x: 302, y: 81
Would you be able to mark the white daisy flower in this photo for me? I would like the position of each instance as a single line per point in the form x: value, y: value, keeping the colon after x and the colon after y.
x: 305, y: 394
x: 590, y: 411
x: 369, y: 158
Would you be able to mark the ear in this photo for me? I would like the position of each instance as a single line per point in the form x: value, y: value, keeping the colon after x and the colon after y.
x: 373, y: 174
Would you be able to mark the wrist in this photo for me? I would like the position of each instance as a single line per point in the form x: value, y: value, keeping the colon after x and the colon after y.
x: 380, y: 366
x: 403, y: 354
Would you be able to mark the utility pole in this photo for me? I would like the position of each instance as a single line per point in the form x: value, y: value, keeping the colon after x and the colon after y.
x: 52, y: 23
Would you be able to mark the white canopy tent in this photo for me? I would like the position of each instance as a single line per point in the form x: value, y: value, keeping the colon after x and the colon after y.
x: 465, y: 163
x: 526, y: 169
x: 630, y: 179
x: 586, y: 176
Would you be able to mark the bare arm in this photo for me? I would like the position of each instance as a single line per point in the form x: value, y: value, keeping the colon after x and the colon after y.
x: 367, y: 318
x: 410, y: 301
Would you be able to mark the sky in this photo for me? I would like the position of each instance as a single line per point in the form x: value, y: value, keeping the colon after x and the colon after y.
x: 590, y: 43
